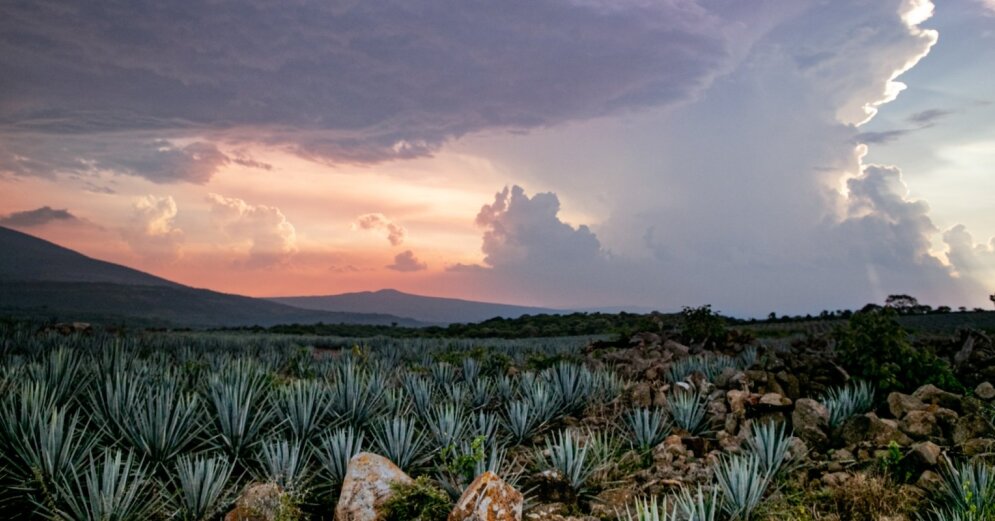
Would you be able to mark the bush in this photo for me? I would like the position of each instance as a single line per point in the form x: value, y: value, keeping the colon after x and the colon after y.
x: 418, y: 501
x: 874, y: 347
x: 701, y: 324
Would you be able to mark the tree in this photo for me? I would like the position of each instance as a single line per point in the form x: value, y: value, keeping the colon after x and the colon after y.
x: 903, y: 304
x: 992, y: 298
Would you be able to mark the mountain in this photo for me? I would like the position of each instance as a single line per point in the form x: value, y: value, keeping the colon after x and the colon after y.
x: 436, y: 310
x: 39, y: 279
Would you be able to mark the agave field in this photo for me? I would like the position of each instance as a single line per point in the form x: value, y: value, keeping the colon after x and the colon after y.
x: 176, y: 426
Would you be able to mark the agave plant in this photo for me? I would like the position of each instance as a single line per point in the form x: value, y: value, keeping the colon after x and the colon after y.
x: 443, y: 374
x: 334, y: 451
x: 355, y: 396
x: 420, y: 391
x: 115, y: 489
x: 969, y: 490
x: 844, y: 402
x: 164, y: 423
x: 698, y: 506
x: 572, y: 385
x: 284, y: 463
x: 202, y: 486
x: 480, y: 392
x: 399, y: 441
x: 240, y: 407
x: 302, y: 407
x: 61, y: 372
x: 520, y: 422
x: 770, y: 442
x: 743, y: 483
x: 542, y: 401
x: 648, y: 427
x: 506, y: 388
x: 484, y: 424
x: 447, y: 424
x: 569, y: 458
x: 471, y: 370
x: 650, y: 510
x: 688, y: 410
x: 607, y: 386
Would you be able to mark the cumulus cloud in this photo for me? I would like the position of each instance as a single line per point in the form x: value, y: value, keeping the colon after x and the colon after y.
x: 347, y: 82
x: 524, y: 231
x: 972, y: 261
x: 36, y: 217
x: 407, y: 262
x: 271, y: 238
x: 379, y: 221
x: 151, y: 232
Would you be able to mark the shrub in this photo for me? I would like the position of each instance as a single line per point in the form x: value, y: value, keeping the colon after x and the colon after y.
x: 417, y: 501
x: 701, y: 324
x: 873, y: 346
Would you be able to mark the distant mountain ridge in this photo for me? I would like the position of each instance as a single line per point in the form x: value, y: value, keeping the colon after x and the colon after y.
x: 436, y: 310
x: 40, y: 279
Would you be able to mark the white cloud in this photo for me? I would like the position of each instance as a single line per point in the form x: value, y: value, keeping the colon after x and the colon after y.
x: 271, y: 237
x: 152, y: 232
x: 379, y: 221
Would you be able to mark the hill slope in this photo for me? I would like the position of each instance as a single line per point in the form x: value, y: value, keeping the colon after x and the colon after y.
x: 426, y: 309
x: 39, y: 279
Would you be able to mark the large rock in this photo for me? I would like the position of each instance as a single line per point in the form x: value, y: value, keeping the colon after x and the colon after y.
x: 971, y: 427
x: 932, y: 394
x: 488, y: 498
x: 810, y: 421
x: 258, y: 502
x: 366, y: 487
x: 925, y: 455
x: 921, y: 425
x: 876, y: 431
x: 901, y: 404
x: 985, y: 391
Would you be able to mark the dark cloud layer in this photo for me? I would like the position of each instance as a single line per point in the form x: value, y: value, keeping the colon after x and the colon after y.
x: 36, y: 217
x: 337, y: 81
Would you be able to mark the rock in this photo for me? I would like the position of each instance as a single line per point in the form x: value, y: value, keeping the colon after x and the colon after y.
x: 977, y: 446
x: 258, y: 502
x: 930, y: 481
x: 965, y: 352
x: 775, y: 401
x: 920, y: 425
x: 367, y: 486
x: 676, y: 348
x: 737, y: 402
x: 985, y: 391
x: 925, y: 454
x: 930, y: 393
x: 810, y: 421
x: 970, y: 427
x: 642, y: 395
x: 790, y: 384
x: 901, y: 404
x: 549, y: 486
x: 868, y: 427
x: 835, y: 479
x: 488, y: 498
x: 609, y: 503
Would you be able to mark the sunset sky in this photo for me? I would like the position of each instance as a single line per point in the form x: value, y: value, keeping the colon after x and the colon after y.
x: 770, y: 155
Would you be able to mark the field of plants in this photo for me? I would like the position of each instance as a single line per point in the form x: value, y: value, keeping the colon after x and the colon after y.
x: 177, y: 425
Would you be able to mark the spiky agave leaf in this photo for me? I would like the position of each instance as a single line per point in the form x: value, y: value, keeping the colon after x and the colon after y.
x: 239, y: 404
x: 335, y: 449
x: 302, y: 407
x: 114, y: 488
x: 688, y: 410
x: 969, y: 488
x: 651, y: 510
x: 201, y: 486
x: 698, y: 506
x: 770, y: 441
x: 60, y: 370
x: 743, y: 483
x: 356, y: 396
x: 285, y: 463
x: 572, y: 384
x: 844, y: 402
x: 648, y: 427
x: 164, y: 423
x: 569, y: 458
x: 399, y: 440
x: 471, y: 370
x: 520, y: 422
x: 447, y: 424
x: 480, y: 392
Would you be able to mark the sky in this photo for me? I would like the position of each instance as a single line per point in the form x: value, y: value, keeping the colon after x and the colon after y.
x: 773, y: 155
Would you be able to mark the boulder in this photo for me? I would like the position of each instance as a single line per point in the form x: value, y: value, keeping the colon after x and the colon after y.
x: 488, y: 498
x: 901, y: 404
x: 869, y: 428
x: 366, y: 487
x: 676, y: 348
x: 642, y: 395
x: 810, y: 421
x: 774, y: 401
x: 920, y: 425
x: 985, y: 391
x: 930, y: 482
x: 977, y: 446
x: 930, y: 393
x: 258, y: 502
x: 925, y: 455
x: 971, y: 427
x: 613, y: 501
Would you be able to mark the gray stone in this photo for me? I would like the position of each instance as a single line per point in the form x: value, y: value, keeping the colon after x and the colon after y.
x: 985, y: 391
x: 366, y: 487
x: 901, y: 404
x: 971, y: 427
x: 930, y: 393
x: 920, y: 425
x: 488, y: 498
x: 810, y: 421
x: 925, y: 454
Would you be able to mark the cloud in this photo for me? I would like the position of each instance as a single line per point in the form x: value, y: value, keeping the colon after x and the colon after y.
x: 975, y: 262
x: 883, y: 138
x: 36, y: 217
x: 930, y: 116
x: 407, y: 262
x: 523, y: 231
x: 340, y: 82
x: 271, y: 238
x: 152, y: 232
x: 379, y: 221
